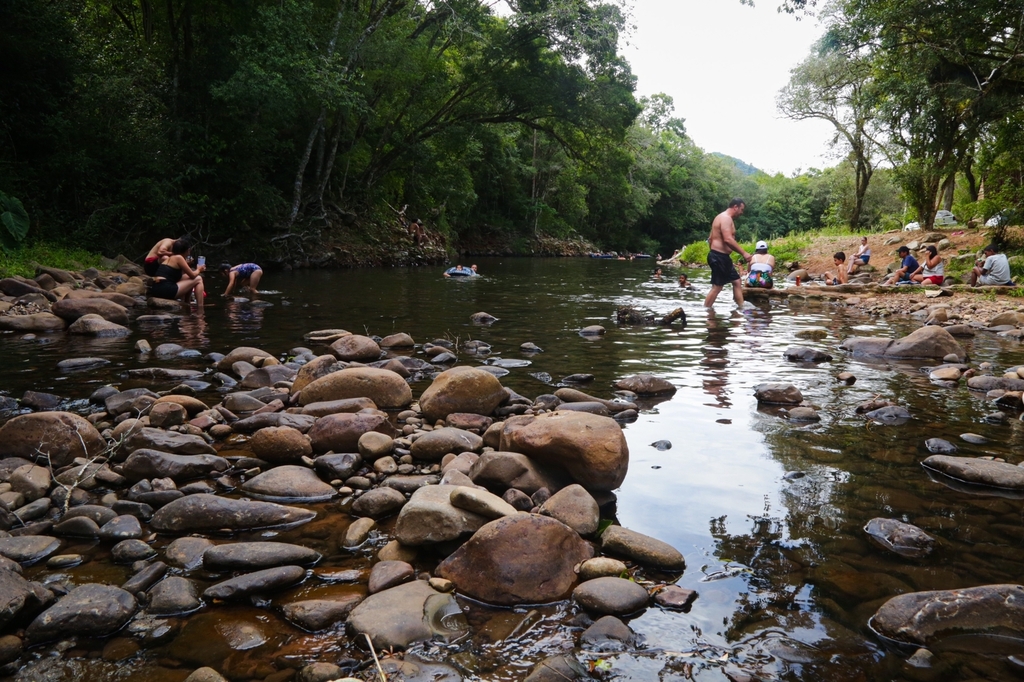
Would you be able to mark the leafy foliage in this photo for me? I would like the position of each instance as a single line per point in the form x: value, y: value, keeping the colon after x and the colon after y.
x: 14, y: 219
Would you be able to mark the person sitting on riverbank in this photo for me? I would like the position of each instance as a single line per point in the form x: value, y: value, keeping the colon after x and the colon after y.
x: 993, y: 271
x: 243, y: 275
x: 839, y: 277
x: 862, y: 256
x: 762, y: 264
x: 175, y: 278
x: 160, y: 252
x: 932, y: 270
x: 908, y: 265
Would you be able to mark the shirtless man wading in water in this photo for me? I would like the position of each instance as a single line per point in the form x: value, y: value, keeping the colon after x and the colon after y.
x: 722, y: 242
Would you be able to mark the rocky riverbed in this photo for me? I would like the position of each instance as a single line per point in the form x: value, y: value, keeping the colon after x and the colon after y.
x: 321, y: 491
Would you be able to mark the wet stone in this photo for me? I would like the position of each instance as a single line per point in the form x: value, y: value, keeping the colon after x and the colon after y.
x: 173, y: 595
x: 675, y: 598
x: 387, y: 574
x: 124, y: 527
x: 608, y: 634
x: 28, y: 549
x: 641, y: 548
x: 254, y: 555
x: 612, y: 596
x: 92, y: 610
x: 939, y: 446
x: 128, y: 551
x: 258, y: 582
x: 319, y: 614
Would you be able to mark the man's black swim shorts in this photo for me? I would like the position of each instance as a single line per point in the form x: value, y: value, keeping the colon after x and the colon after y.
x: 722, y: 270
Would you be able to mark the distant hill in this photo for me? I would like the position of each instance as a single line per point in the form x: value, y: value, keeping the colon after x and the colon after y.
x: 741, y: 166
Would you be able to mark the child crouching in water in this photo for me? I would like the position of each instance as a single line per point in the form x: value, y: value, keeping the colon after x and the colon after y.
x: 244, y: 275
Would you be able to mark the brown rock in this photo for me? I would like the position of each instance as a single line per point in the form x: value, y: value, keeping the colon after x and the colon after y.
x: 645, y: 384
x: 461, y: 389
x: 355, y: 348
x: 70, y: 309
x: 61, y: 435
x: 281, y: 444
x: 521, y: 559
x: 591, y: 448
x: 317, y: 368
x: 923, y: 617
x: 241, y: 354
x: 341, y: 432
x: 386, y: 389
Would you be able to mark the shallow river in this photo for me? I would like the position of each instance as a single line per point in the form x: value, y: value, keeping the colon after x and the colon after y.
x: 786, y: 578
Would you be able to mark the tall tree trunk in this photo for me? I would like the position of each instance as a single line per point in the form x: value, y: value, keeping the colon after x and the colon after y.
x: 947, y: 192
x: 972, y: 181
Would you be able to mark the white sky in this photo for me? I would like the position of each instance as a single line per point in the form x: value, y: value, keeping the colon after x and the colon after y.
x: 723, y: 63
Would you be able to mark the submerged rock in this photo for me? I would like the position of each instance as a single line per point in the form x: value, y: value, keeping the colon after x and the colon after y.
x: 901, y: 538
x: 978, y: 471
x: 923, y: 617
x: 805, y: 354
x: 778, y: 393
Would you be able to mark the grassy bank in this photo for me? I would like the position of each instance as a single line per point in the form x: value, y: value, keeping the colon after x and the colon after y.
x: 784, y: 249
x: 22, y: 262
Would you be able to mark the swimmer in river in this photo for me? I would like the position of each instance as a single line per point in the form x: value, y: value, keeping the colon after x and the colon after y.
x: 243, y: 275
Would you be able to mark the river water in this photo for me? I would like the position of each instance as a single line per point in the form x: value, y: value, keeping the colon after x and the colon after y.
x: 768, y: 513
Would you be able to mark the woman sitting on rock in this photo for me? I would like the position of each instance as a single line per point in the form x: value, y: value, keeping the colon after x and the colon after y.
x: 932, y: 270
x: 175, y: 278
x: 761, y: 266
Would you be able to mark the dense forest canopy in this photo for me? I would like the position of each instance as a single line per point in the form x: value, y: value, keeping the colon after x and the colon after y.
x: 253, y: 124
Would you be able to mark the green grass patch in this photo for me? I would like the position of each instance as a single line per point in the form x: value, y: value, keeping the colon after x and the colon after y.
x: 783, y: 248
x: 20, y: 262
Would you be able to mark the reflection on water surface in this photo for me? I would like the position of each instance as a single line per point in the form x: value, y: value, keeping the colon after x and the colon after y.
x: 786, y: 577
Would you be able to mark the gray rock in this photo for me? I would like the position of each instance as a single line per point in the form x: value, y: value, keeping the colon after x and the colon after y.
x: 429, y: 517
x: 901, y: 538
x: 644, y: 384
x: 129, y: 551
x: 611, y: 596
x: 434, y: 445
x: 971, y: 470
x: 608, y: 634
x: 410, y: 484
x: 19, y: 598
x: 561, y: 668
x: 938, y: 446
x: 123, y: 527
x: 387, y: 574
x: 319, y: 614
x: 238, y: 556
x: 258, y: 582
x: 805, y: 354
x: 90, y: 610
x: 168, y: 441
x: 300, y: 422
x: 499, y: 471
x: 28, y: 549
x: 574, y: 507
x: 173, y: 595
x: 146, y: 463
x: 481, y: 502
x: 924, y: 617
x: 892, y: 415
x: 641, y: 548
x: 778, y: 393
x: 210, y: 513
x: 378, y: 503
x: 289, y: 482
x: 338, y: 465
x: 406, y: 614
x: 187, y: 552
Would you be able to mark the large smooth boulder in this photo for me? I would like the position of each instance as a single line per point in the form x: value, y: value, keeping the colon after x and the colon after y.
x: 645, y: 384
x: 91, y: 610
x: 36, y: 322
x: 591, y: 448
x: 434, y: 445
x: 987, y: 382
x: 28, y: 549
x: 289, y: 482
x: 520, y: 559
x: 402, y: 615
x: 280, y: 444
x: 923, y: 617
x: 926, y: 342
x: 121, y: 299
x: 461, y: 389
x: 399, y: 340
x: 62, y: 436
x: 147, y: 463
x: 340, y: 432
x: 978, y: 471
x: 70, y: 309
x: 317, y: 368
x: 202, y: 512
x: 385, y: 388
x: 499, y: 471
x: 94, y: 325
x: 355, y: 348
x: 238, y: 556
x: 429, y: 517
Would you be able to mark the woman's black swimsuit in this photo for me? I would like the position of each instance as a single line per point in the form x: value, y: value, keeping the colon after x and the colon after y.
x: 168, y: 286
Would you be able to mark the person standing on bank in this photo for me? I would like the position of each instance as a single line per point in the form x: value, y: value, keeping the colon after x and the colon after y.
x: 722, y: 242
